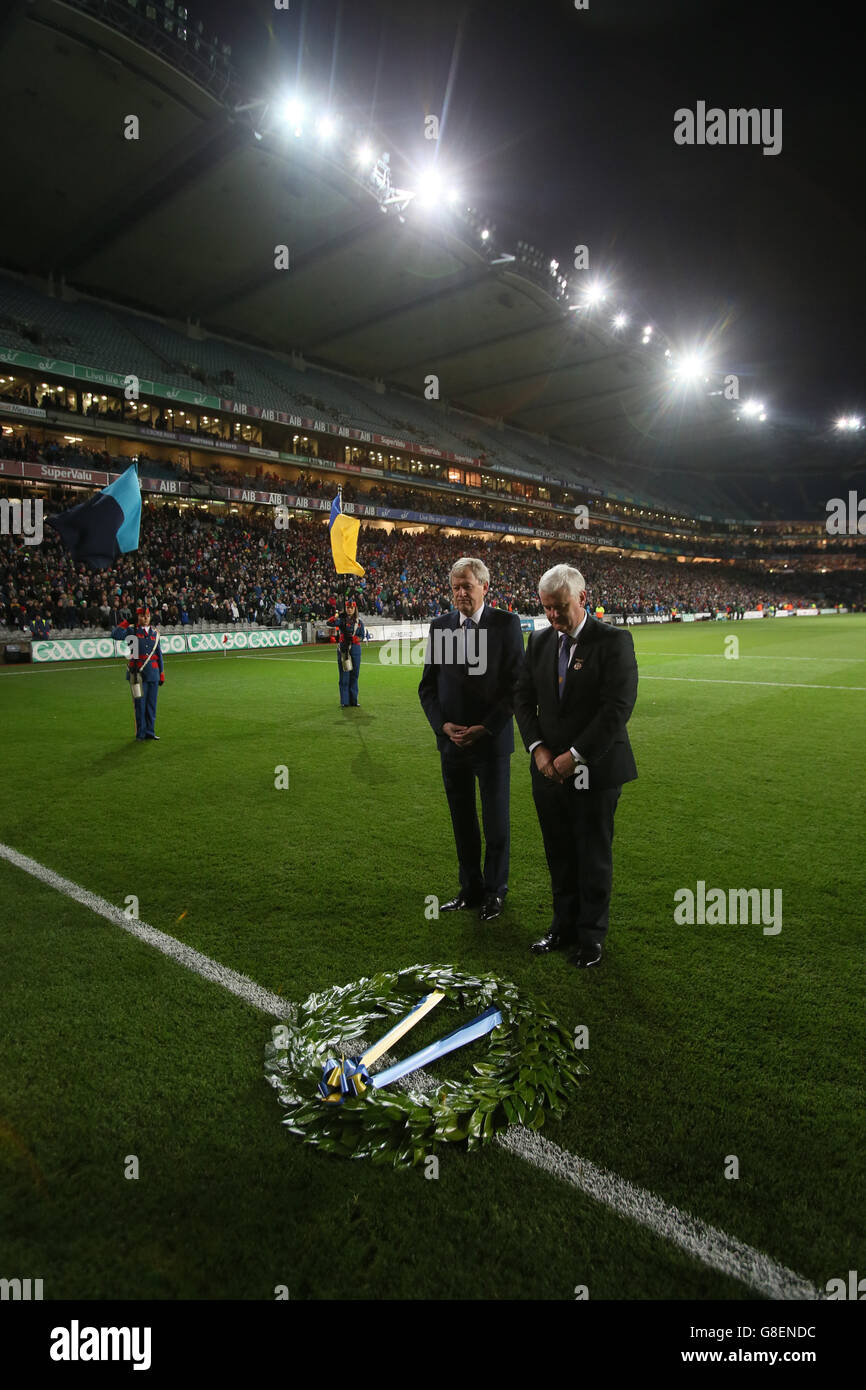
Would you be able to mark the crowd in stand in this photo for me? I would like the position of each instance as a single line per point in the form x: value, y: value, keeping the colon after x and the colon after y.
x: 416, y: 498
x: 23, y: 447
x: 195, y: 567
x: 397, y: 497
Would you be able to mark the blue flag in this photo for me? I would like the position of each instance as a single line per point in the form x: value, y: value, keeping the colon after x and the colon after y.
x: 105, y: 526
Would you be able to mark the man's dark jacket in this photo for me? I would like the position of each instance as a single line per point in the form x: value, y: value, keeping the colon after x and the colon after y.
x: 599, y: 697
x: 451, y: 695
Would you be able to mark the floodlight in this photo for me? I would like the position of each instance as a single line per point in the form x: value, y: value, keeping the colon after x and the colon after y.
x: 326, y: 127
x: 429, y: 188
x: 292, y: 112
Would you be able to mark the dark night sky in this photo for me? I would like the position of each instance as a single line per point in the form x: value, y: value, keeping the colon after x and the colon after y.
x: 560, y: 127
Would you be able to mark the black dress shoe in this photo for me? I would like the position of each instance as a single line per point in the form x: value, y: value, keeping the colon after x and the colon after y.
x: 586, y: 956
x: 491, y: 907
x: 458, y: 903
x: 551, y: 942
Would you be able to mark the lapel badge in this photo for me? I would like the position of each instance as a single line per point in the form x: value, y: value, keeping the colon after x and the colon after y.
x: 577, y: 665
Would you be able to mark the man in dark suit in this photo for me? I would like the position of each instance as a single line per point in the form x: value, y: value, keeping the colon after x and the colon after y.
x: 473, y: 659
x: 573, y: 700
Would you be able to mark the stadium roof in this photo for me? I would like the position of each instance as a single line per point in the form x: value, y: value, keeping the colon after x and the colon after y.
x: 184, y: 220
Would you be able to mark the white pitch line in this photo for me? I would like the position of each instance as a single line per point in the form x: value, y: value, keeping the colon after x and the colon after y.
x: 707, y: 1244
x: 296, y: 660
x: 753, y: 656
x: 109, y: 663
x: 373, y: 665
x: 240, y: 985
x: 782, y: 685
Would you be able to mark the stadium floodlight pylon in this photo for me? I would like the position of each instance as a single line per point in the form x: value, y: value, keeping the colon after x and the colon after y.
x: 388, y: 197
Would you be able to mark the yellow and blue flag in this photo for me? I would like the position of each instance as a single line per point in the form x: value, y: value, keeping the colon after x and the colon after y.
x: 105, y: 526
x: 344, y: 539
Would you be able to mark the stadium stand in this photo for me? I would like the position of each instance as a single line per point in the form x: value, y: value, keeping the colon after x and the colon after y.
x: 117, y: 340
x: 195, y: 564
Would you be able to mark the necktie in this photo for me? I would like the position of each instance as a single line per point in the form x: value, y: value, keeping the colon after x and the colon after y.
x: 469, y: 643
x: 564, y: 644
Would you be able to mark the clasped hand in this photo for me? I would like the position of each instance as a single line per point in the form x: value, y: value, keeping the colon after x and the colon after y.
x: 555, y: 769
x: 464, y: 735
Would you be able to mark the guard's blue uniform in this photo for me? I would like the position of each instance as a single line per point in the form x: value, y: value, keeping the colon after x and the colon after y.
x: 349, y: 636
x: 148, y: 663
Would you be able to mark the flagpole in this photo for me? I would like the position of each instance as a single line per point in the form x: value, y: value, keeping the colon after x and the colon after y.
x: 339, y: 509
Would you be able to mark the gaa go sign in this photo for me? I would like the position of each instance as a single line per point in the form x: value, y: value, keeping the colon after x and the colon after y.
x: 241, y: 641
x: 83, y: 649
x: 92, y: 648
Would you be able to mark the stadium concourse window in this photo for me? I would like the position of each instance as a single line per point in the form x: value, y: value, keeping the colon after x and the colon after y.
x: 52, y: 397
x: 209, y: 425
x: 97, y: 403
x: 250, y: 434
x: 14, y: 388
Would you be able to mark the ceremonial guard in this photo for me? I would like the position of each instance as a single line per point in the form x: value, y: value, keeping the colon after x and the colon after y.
x: 144, y: 670
x: 349, y: 634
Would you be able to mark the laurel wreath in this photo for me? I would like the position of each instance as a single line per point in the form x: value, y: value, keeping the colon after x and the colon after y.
x: 529, y: 1069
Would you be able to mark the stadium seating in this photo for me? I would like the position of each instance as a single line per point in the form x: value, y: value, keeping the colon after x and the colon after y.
x: 119, y: 341
x: 201, y: 562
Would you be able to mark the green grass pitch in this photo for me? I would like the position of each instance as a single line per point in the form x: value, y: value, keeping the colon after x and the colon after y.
x: 704, y: 1041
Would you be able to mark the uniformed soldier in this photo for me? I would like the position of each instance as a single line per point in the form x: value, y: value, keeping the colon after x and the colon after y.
x: 350, y: 633
x: 144, y: 670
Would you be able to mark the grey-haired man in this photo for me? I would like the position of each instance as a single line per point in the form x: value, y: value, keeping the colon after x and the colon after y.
x: 573, y: 701
x: 473, y: 659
